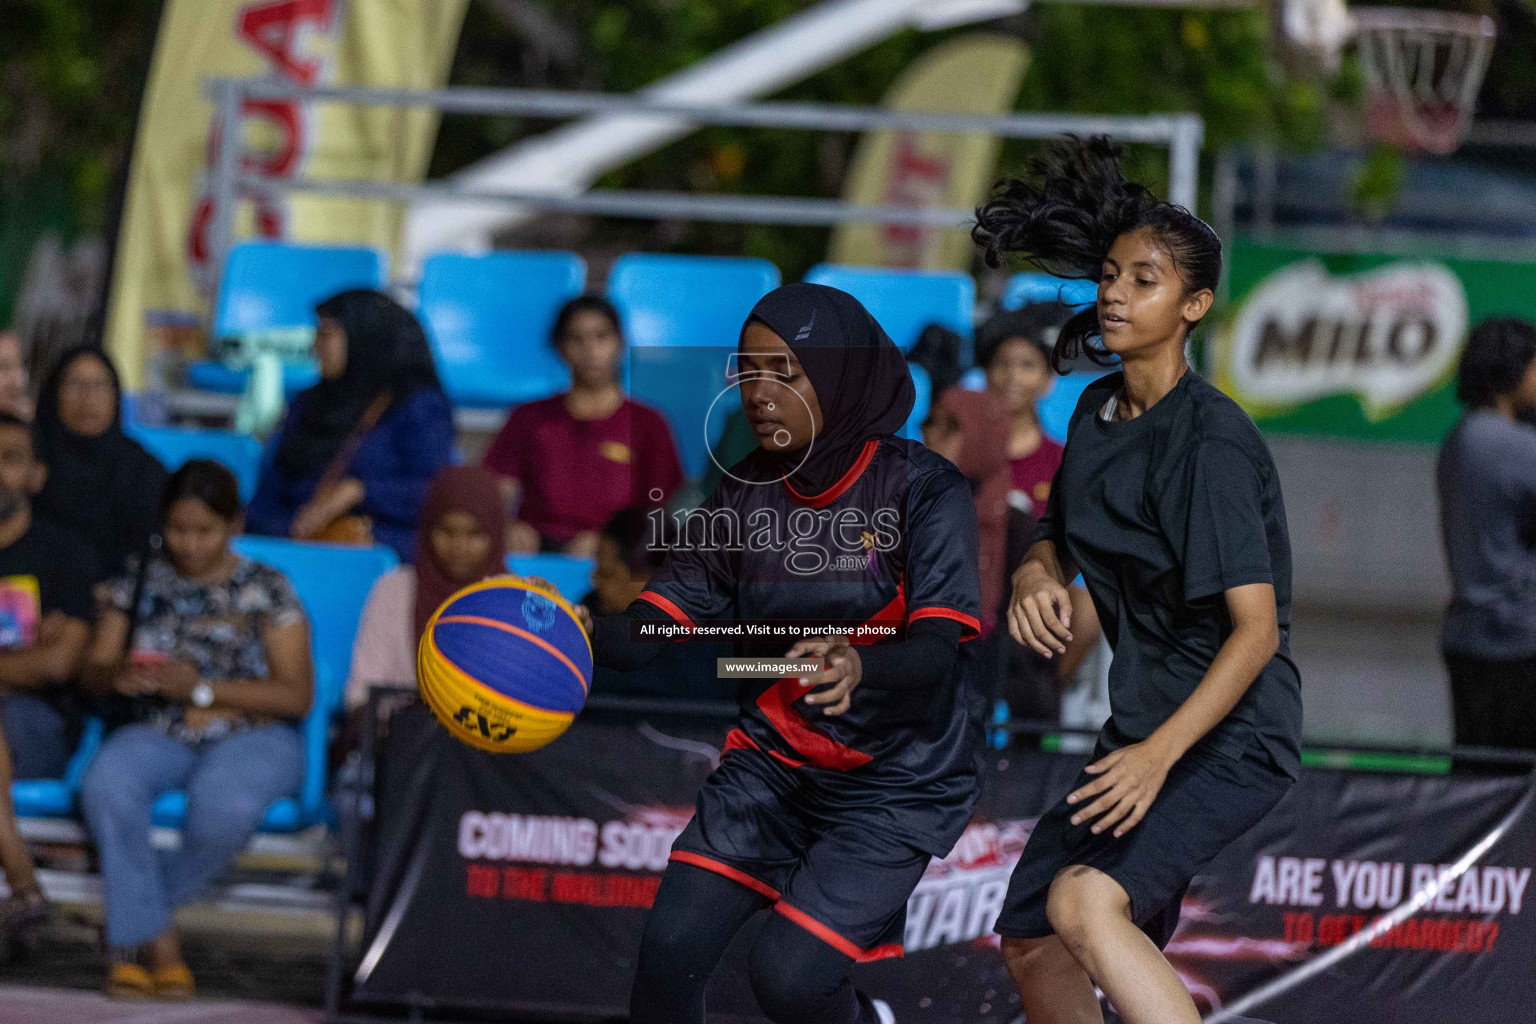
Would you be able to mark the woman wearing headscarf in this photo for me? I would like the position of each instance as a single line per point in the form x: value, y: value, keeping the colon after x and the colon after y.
x: 354, y: 455
x: 100, y: 482
x: 970, y: 429
x: 846, y: 777
x: 461, y: 540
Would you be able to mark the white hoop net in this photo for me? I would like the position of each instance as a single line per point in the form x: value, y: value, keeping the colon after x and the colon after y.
x: 1422, y: 73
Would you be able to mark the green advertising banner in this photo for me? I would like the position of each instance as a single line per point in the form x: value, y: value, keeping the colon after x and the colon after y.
x: 1362, y: 346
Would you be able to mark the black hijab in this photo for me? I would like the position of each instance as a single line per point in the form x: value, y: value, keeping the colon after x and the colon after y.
x: 859, y: 375
x: 106, y: 487
x: 387, y: 351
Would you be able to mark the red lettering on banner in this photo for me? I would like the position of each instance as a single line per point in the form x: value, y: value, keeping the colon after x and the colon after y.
x: 482, y: 882
x: 540, y: 885
x: 1299, y: 928
x: 1433, y: 934
x: 524, y: 884
x: 603, y: 890
x: 278, y: 31
x: 917, y: 179
x: 275, y: 29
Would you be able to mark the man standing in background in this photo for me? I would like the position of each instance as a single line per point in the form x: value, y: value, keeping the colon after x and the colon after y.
x: 1486, y: 477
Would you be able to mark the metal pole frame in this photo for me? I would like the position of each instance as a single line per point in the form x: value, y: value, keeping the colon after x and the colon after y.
x: 229, y: 103
x: 1183, y: 134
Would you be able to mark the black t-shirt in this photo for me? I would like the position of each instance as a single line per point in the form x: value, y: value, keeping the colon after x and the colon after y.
x: 912, y: 752
x: 47, y: 569
x: 1163, y: 513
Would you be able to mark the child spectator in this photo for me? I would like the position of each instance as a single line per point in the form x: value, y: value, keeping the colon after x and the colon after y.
x: 1014, y: 348
x: 576, y: 458
x: 101, y: 483
x: 13, y: 378
x: 1486, y: 477
x: 220, y: 645
x: 46, y: 574
x: 461, y: 541
x: 353, y: 457
x: 683, y: 671
x: 45, y: 607
x: 970, y: 429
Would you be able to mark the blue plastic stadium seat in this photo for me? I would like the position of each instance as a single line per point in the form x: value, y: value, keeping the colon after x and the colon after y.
x: 1024, y: 289
x: 333, y: 582
x: 682, y: 316
x: 906, y: 301
x: 489, y: 319
x: 210, y: 375
x: 923, y: 385
x: 174, y: 446
x: 571, y: 576
x: 278, y: 284
x: 55, y: 798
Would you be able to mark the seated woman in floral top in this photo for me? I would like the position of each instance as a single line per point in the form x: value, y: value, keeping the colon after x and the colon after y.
x: 217, y: 657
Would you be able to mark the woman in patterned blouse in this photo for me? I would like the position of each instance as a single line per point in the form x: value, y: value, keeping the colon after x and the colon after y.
x: 220, y: 653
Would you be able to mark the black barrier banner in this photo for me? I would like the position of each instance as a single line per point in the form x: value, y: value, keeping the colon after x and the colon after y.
x: 521, y: 882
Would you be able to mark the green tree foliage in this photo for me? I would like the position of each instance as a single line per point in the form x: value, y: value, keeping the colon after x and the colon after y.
x: 71, y: 74
x: 1087, y: 58
x: 72, y: 77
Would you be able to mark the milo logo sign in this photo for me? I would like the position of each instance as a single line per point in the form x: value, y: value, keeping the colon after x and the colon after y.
x: 1387, y: 336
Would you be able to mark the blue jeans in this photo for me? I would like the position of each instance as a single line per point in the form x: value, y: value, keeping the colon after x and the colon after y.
x: 37, y: 734
x: 229, y: 784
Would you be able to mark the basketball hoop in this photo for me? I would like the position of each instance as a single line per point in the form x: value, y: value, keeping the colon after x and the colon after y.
x: 1422, y: 72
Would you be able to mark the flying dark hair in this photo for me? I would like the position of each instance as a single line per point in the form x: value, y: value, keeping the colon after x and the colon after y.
x: 584, y: 304
x: 1064, y: 217
x: 1498, y: 353
x: 208, y: 482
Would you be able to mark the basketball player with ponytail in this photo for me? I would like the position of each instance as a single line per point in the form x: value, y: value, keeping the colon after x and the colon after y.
x: 1168, y: 503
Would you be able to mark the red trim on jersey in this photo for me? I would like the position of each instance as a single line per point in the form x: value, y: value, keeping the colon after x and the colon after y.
x: 786, y: 759
x: 970, y: 622
x: 738, y: 740
x: 651, y: 597
x: 725, y: 871
x: 818, y: 748
x: 835, y: 940
x: 844, y: 482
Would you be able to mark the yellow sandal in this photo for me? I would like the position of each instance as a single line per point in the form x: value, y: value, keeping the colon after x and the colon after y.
x: 174, y: 982
x: 127, y: 980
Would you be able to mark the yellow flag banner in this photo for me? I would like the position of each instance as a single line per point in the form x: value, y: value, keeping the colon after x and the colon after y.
x: 162, y: 277
x: 973, y: 74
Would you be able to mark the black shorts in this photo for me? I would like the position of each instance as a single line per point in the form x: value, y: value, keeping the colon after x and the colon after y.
x: 1207, y: 801
x: 835, y: 875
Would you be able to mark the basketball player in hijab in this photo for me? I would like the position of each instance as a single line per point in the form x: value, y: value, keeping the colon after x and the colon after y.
x: 840, y: 783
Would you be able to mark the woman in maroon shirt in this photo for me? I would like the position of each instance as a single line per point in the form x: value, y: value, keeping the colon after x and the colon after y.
x: 1014, y: 349
x: 574, y: 459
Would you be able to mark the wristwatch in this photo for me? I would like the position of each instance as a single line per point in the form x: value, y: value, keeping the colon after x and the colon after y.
x: 202, y: 694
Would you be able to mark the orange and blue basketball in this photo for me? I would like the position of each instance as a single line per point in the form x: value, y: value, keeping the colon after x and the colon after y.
x: 505, y: 665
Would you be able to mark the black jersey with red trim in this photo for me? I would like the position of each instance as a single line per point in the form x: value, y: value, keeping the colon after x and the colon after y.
x: 893, y: 542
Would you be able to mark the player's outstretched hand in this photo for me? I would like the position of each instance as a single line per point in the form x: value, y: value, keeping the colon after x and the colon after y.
x: 584, y: 616
x: 842, y: 672
x: 1129, y: 779
x: 1040, y: 611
